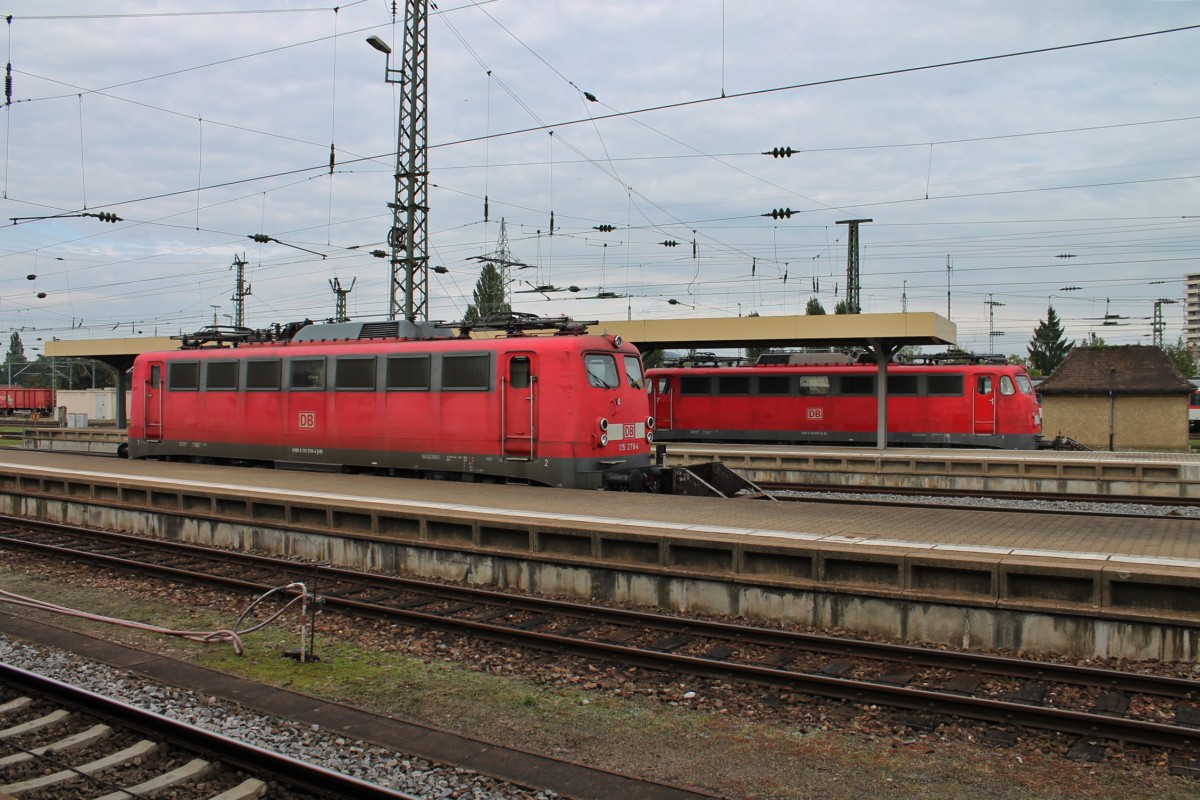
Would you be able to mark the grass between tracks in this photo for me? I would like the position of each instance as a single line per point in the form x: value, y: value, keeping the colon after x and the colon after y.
x: 729, y: 754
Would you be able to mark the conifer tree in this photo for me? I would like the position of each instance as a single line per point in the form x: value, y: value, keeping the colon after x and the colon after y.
x: 814, y: 306
x: 1049, y: 345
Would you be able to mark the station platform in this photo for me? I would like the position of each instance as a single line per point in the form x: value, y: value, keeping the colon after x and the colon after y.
x: 967, y: 577
x: 1093, y: 472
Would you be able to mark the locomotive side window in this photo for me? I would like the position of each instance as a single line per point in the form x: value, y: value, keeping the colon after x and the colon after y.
x: 601, y: 370
x: 945, y: 385
x: 664, y: 386
x: 354, y: 373
x: 1024, y: 384
x: 814, y: 385
x: 518, y: 372
x: 465, y: 373
x: 183, y: 375
x: 408, y: 372
x: 774, y: 384
x: 156, y: 376
x: 221, y: 376
x: 694, y: 385
x: 264, y: 376
x: 633, y: 371
x: 858, y: 384
x: 1006, y: 385
x: 983, y: 384
x: 902, y: 384
x: 307, y: 373
x: 733, y: 385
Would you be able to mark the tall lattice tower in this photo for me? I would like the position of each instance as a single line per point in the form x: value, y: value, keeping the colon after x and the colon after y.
x: 409, y: 236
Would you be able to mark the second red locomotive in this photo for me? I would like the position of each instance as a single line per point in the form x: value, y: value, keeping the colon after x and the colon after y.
x: 568, y: 409
x: 966, y: 405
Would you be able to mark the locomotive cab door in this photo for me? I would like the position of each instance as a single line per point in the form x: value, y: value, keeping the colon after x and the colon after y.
x: 984, y: 405
x: 664, y: 403
x: 152, y: 401
x: 518, y: 398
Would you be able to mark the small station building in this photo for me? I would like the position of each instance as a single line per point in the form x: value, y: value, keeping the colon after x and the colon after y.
x: 1117, y: 398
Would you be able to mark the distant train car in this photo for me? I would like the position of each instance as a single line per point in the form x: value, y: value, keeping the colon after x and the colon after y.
x: 18, y: 398
x: 569, y: 409
x: 968, y: 405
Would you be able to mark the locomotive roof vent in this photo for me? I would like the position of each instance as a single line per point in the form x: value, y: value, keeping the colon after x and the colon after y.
x: 388, y: 329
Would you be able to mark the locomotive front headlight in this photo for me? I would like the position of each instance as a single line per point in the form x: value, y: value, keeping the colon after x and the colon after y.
x: 603, y: 424
x: 649, y: 437
x: 649, y: 423
x: 604, y: 440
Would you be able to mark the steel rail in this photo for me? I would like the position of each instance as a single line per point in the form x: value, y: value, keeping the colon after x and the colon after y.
x: 423, y: 594
x: 255, y: 760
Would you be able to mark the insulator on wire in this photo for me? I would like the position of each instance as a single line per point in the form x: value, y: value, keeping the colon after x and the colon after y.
x: 606, y: 228
x: 779, y: 152
x: 261, y: 238
x: 669, y: 243
x: 779, y: 213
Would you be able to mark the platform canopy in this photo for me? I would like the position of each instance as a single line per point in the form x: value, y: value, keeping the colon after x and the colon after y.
x: 811, y: 330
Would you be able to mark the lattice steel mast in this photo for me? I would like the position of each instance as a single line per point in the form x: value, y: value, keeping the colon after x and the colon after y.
x: 409, y: 236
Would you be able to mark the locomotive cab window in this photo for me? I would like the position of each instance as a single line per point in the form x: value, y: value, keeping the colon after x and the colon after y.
x: 466, y: 373
x: 1006, y: 385
x: 664, y: 386
x: 307, y: 373
x: 156, y: 376
x: 633, y: 371
x: 264, y: 376
x: 601, y: 370
x: 983, y: 384
x: 221, y: 376
x: 408, y: 372
x: 355, y: 373
x: 183, y: 376
x: 518, y: 372
x: 1024, y: 384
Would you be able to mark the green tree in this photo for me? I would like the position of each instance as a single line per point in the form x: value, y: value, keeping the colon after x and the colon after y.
x: 1049, y: 345
x: 1017, y: 361
x: 1181, y: 356
x: 814, y: 306
x: 842, y: 307
x: 654, y: 358
x: 489, y: 294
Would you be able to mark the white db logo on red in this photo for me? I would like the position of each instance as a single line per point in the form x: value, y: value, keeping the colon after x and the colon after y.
x: 308, y: 419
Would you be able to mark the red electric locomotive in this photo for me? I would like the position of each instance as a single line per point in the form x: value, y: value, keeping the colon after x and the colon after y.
x: 966, y: 405
x: 568, y: 409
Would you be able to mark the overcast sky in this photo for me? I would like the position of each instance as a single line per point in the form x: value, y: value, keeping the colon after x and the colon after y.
x: 1066, y: 177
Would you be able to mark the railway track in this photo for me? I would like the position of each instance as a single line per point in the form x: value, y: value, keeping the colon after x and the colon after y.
x: 1072, y: 504
x: 58, y: 741
x: 1008, y: 693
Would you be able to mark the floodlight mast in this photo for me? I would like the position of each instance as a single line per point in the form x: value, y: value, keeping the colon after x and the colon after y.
x: 409, y: 235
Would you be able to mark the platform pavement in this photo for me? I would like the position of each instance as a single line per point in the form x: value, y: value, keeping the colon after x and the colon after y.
x: 1159, y: 541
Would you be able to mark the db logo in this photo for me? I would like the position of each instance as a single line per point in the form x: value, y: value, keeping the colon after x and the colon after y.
x: 308, y: 419
x: 816, y: 413
x: 629, y: 431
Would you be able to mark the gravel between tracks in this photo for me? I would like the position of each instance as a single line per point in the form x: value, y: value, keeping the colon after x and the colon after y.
x: 735, y: 741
